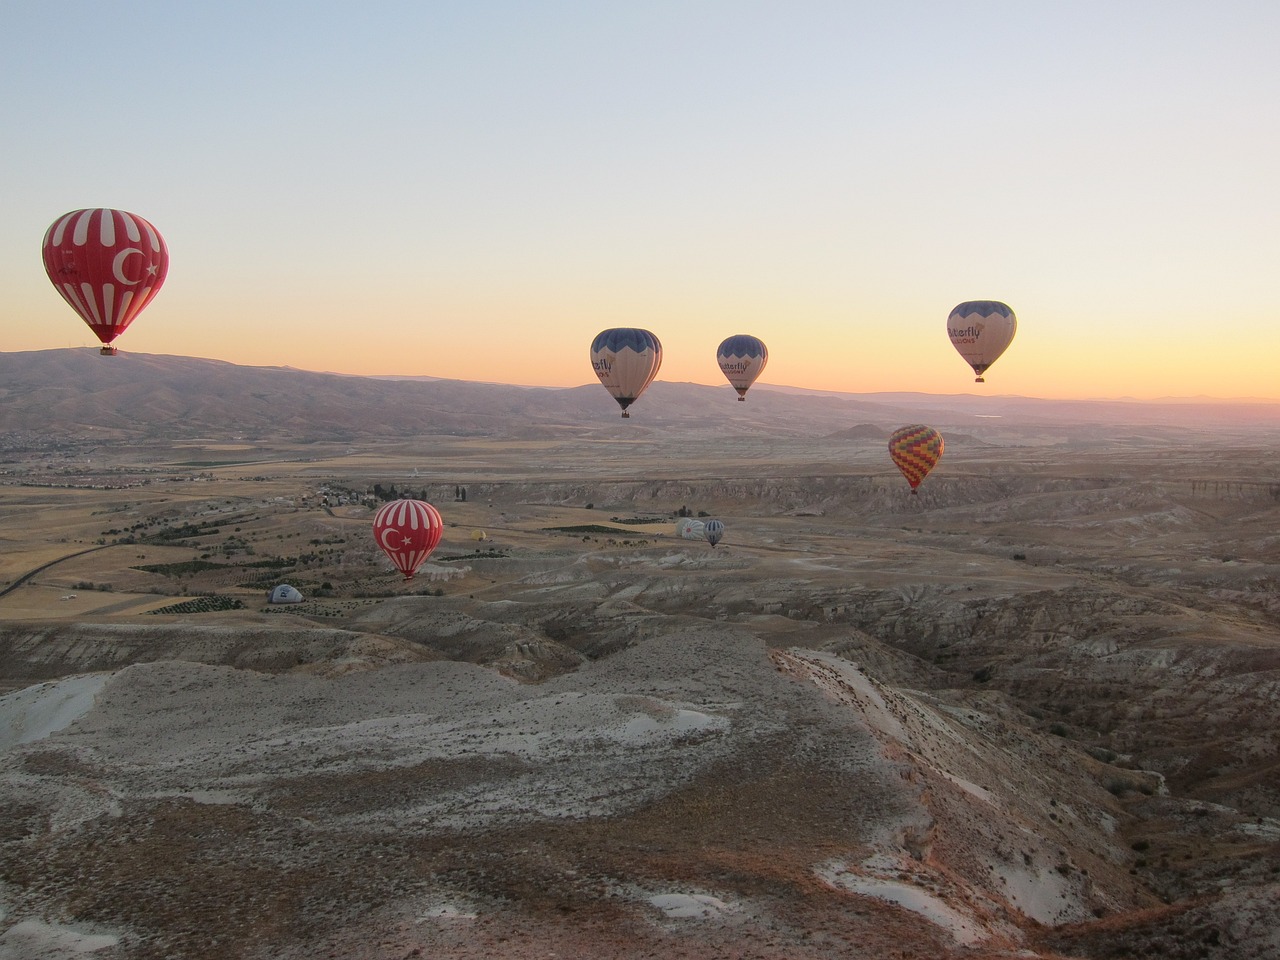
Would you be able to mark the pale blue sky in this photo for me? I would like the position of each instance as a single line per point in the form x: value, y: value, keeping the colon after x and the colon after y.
x: 475, y: 189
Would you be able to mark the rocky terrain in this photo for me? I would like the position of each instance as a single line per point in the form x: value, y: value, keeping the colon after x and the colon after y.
x: 1029, y: 712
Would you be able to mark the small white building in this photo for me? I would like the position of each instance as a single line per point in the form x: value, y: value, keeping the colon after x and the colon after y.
x: 284, y: 593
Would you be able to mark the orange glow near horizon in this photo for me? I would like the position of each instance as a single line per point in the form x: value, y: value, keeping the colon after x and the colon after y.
x: 441, y: 197
x: 894, y: 354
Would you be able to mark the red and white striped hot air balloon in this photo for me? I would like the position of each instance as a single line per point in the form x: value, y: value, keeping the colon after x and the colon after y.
x: 407, y: 531
x: 108, y: 264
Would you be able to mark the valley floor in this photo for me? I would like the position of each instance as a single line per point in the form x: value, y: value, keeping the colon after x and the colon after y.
x: 1026, y: 713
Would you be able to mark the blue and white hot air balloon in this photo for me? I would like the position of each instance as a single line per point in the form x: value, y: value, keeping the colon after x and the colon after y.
x: 742, y: 358
x: 713, y: 530
x: 981, y: 330
x: 626, y: 359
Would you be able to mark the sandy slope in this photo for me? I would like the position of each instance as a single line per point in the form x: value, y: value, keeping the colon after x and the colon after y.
x: 650, y: 787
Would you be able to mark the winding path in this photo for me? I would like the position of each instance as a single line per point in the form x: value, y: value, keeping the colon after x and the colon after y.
x: 45, y: 566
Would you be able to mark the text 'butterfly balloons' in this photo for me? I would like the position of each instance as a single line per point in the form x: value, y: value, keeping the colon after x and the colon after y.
x: 407, y: 531
x: 742, y: 358
x: 981, y: 330
x: 916, y: 450
x: 626, y: 359
x: 108, y: 265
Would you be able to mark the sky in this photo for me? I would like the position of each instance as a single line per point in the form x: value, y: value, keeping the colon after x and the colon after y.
x: 474, y: 189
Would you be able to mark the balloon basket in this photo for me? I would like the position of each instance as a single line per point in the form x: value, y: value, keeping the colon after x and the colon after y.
x: 979, y: 380
x: 108, y: 351
x: 626, y: 415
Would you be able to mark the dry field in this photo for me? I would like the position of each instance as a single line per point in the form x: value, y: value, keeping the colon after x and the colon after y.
x: 1030, y: 712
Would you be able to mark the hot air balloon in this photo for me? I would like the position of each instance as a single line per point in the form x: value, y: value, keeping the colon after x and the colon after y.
x: 742, y: 358
x: 713, y: 530
x: 691, y: 529
x: 407, y: 531
x: 626, y: 359
x: 981, y: 330
x: 108, y: 264
x: 916, y: 450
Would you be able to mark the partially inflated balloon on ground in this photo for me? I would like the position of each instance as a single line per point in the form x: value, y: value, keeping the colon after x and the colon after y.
x: 981, y: 330
x: 626, y: 359
x: 713, y: 530
x: 407, y: 531
x: 916, y: 450
x: 108, y: 265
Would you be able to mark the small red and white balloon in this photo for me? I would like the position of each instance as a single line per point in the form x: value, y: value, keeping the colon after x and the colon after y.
x: 407, y: 531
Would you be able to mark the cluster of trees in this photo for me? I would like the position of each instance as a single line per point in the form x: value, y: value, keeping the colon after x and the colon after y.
x: 387, y: 494
x: 686, y: 512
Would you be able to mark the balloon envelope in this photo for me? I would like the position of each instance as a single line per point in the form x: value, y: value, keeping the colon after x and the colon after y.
x: 407, y: 531
x: 107, y: 264
x: 713, y: 530
x: 691, y: 529
x: 626, y: 359
x: 742, y: 358
x: 916, y: 450
x: 981, y: 330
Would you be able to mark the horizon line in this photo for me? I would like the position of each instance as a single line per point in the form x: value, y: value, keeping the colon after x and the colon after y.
x: 763, y: 385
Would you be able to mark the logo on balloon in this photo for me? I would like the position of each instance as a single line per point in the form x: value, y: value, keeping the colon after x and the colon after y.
x: 107, y: 265
x: 407, y: 531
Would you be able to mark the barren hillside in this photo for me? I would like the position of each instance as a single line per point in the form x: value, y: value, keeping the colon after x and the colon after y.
x: 1029, y: 712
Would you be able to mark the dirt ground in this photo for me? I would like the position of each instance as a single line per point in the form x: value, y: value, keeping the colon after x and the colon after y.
x: 1028, y: 712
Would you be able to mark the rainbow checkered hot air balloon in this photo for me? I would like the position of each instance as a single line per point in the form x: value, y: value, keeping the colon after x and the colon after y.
x: 916, y: 450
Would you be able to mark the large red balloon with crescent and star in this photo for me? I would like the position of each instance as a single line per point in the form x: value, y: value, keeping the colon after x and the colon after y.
x: 108, y: 264
x: 407, y: 531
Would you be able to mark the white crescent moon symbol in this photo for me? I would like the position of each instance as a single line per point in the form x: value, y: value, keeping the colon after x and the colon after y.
x: 382, y: 538
x: 117, y: 265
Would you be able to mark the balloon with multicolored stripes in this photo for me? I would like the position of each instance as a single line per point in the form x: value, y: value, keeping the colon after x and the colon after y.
x: 108, y: 265
x: 916, y: 450
x: 407, y: 531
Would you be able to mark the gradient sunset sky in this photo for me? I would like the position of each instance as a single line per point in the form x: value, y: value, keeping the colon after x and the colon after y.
x: 475, y: 189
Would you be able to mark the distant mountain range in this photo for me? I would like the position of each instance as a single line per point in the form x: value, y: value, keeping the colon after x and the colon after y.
x: 76, y: 392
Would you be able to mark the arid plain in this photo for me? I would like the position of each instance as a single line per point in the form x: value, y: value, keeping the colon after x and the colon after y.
x: 1029, y: 712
